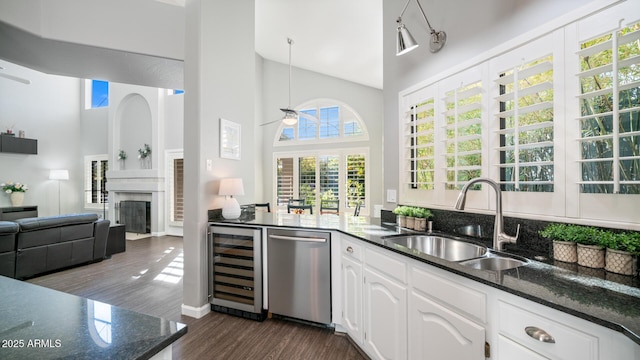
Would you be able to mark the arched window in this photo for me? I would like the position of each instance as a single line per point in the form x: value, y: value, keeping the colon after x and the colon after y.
x: 319, y: 173
x: 327, y: 121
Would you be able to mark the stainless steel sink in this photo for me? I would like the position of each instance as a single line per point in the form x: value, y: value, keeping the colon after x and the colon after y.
x: 495, y: 263
x: 442, y: 247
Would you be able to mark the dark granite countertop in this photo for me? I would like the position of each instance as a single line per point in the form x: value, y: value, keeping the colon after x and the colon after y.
x: 612, y: 304
x: 40, y: 323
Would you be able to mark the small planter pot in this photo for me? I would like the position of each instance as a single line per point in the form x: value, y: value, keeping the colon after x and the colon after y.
x: 420, y: 224
x: 411, y: 222
x: 620, y: 262
x: 401, y: 220
x: 565, y: 251
x: 591, y: 256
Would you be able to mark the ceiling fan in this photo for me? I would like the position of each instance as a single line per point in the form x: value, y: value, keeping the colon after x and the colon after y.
x: 290, y: 115
x: 14, y: 78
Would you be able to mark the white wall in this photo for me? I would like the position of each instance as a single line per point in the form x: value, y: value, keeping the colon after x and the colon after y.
x: 47, y: 110
x: 308, y: 85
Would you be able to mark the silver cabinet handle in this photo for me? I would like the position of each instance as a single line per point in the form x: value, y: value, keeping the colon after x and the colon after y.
x: 349, y: 249
x: 539, y: 334
x: 298, y: 238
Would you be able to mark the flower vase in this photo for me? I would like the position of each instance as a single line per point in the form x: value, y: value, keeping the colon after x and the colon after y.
x: 17, y: 198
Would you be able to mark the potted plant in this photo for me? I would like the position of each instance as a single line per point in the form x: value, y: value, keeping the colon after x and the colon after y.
x: 564, y: 247
x: 621, y: 253
x: 421, y: 215
x: 16, y: 192
x: 401, y: 217
x: 411, y: 217
x: 590, y: 250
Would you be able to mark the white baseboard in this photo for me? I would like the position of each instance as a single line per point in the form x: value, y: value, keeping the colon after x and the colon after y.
x: 196, y: 312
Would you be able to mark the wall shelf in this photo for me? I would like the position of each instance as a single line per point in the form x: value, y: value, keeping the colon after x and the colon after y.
x: 17, y: 145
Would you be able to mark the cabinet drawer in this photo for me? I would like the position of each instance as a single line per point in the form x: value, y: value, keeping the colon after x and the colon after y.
x: 352, y: 249
x: 452, y: 294
x: 387, y: 263
x: 570, y: 343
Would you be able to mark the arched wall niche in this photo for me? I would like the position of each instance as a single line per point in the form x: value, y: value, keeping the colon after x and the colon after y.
x: 135, y: 124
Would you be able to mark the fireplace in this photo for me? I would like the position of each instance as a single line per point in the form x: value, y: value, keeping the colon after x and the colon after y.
x: 136, y: 216
x: 138, y: 199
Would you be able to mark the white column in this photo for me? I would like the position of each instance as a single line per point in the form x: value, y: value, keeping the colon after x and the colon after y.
x: 220, y: 81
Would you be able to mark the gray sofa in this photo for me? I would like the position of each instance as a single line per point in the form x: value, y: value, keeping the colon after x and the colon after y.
x: 8, y: 232
x: 46, y: 244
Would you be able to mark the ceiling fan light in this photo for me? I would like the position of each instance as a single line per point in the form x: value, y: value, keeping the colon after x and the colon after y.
x: 290, y: 119
x: 405, y: 42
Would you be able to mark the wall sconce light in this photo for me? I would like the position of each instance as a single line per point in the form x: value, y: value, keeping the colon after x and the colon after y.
x: 406, y: 42
x: 230, y: 188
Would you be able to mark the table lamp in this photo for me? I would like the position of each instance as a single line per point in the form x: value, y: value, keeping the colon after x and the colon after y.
x: 231, y: 187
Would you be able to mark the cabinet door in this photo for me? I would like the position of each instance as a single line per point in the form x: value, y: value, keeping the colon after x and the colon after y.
x: 436, y: 332
x: 385, y: 317
x: 508, y: 350
x: 352, y: 298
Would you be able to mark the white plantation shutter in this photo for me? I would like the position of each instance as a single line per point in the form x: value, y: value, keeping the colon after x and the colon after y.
x: 462, y: 125
x: 329, y: 177
x: 178, y: 190
x: 356, y: 180
x: 95, y: 180
x: 526, y: 126
x: 419, y: 146
x: 609, y: 118
x: 284, y: 181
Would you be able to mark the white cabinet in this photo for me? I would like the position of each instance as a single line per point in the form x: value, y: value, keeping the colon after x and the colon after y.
x: 385, y: 316
x: 352, y: 298
x: 436, y: 332
x: 528, y: 330
x: 510, y: 350
x: 446, y: 317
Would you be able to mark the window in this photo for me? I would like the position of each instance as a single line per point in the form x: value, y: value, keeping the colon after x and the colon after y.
x: 96, y: 194
x: 99, y: 94
x: 610, y: 112
x: 284, y: 183
x: 463, y: 128
x: 178, y: 190
x: 356, y: 180
x: 314, y: 176
x: 323, y: 121
x: 174, y: 161
x: 562, y: 128
x: 419, y: 148
x: 526, y: 126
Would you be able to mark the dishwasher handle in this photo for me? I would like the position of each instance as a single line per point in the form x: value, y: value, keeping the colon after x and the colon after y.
x: 298, y: 238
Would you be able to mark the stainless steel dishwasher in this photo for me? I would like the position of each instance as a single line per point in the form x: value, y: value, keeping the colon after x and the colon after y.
x: 299, y: 267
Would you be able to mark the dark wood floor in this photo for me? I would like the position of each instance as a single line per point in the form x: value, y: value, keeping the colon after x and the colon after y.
x: 147, y: 278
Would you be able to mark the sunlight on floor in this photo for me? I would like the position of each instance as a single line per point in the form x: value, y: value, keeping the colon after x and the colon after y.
x: 173, y: 272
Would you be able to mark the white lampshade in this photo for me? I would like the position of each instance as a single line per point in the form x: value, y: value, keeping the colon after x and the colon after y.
x: 231, y: 186
x: 59, y: 175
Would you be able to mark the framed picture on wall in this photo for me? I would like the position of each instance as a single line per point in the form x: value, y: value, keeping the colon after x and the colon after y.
x: 230, y: 139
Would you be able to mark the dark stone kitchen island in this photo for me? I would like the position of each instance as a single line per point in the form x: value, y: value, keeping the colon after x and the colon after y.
x: 40, y: 323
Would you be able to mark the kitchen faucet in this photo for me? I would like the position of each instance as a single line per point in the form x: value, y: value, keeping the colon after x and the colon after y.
x: 499, y: 236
